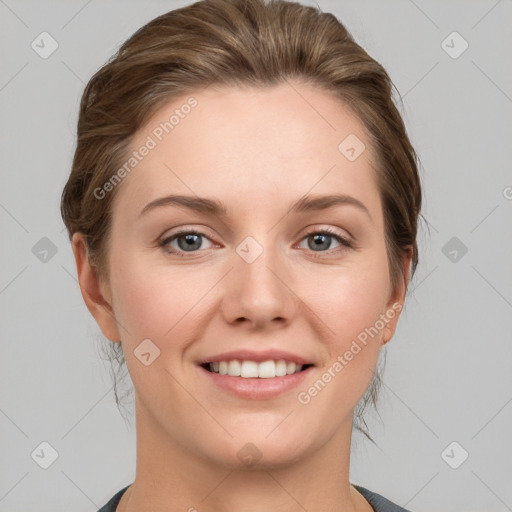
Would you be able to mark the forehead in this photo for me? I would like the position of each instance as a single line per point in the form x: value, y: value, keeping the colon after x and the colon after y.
x: 241, y: 143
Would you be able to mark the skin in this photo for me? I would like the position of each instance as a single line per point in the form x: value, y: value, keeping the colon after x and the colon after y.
x: 257, y: 150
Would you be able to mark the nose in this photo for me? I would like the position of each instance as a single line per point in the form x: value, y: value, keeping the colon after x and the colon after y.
x: 258, y: 292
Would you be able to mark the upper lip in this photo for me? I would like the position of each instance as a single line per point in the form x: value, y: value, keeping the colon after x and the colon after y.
x: 256, y: 355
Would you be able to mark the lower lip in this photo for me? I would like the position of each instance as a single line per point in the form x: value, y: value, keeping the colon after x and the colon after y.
x: 256, y: 388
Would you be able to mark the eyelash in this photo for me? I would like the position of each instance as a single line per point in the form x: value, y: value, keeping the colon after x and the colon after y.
x: 343, y: 241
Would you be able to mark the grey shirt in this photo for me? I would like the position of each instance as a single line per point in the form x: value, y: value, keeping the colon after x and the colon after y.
x: 378, y: 502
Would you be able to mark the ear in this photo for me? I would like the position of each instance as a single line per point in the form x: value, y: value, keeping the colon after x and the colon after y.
x: 396, y: 302
x: 95, y: 292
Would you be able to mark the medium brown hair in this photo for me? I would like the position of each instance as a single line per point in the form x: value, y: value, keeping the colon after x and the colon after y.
x: 237, y: 43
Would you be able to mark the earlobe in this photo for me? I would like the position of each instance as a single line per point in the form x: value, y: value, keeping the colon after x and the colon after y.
x: 93, y: 290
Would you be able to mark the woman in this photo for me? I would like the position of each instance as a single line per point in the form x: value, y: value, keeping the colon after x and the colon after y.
x: 243, y: 209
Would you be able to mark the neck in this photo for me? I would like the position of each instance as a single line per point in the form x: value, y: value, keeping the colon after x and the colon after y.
x: 171, y: 478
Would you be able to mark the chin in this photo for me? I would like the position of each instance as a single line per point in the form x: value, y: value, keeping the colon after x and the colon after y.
x: 256, y: 452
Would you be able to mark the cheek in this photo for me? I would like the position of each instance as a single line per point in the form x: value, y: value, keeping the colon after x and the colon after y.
x: 150, y: 303
x: 351, y: 308
x: 160, y: 305
x: 350, y: 300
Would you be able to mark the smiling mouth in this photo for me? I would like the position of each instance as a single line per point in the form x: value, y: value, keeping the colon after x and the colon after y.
x: 248, y: 369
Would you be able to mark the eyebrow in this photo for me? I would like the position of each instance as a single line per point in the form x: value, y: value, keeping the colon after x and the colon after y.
x: 214, y: 207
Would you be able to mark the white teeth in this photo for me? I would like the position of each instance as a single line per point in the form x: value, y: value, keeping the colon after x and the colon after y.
x: 280, y: 368
x: 234, y: 368
x: 267, y: 370
x: 249, y: 369
x: 252, y: 369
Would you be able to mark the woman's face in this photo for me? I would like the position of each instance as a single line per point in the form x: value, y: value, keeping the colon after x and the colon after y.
x: 257, y: 280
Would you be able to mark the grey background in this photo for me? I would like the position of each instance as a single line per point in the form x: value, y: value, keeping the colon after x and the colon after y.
x: 448, y: 372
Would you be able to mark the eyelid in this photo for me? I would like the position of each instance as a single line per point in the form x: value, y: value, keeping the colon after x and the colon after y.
x: 329, y: 230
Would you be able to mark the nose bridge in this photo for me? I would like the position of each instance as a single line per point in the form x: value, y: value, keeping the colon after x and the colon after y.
x: 258, y: 292
x: 259, y: 259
